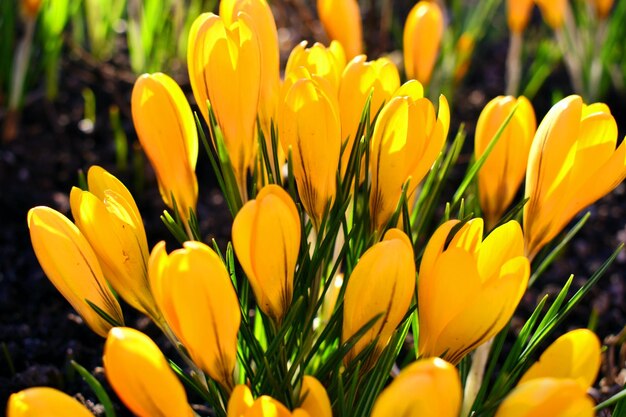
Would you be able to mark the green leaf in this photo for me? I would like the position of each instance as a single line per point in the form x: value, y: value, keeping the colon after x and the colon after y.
x: 97, y: 389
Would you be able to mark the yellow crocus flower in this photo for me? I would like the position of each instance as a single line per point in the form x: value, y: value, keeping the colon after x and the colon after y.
x: 309, y: 127
x: 543, y: 397
x: 407, y: 140
x: 224, y: 63
x: 518, y: 14
x: 360, y: 79
x: 553, y: 12
x: 72, y: 266
x: 319, y: 60
x: 575, y: 355
x: 167, y: 133
x: 383, y: 282
x: 426, y: 388
x: 141, y: 376
x: 423, y: 32
x: 242, y: 404
x: 110, y: 220
x: 505, y: 167
x: 573, y: 162
x: 44, y: 401
x: 196, y: 296
x: 469, y: 289
x: 314, y: 398
x: 603, y: 7
x: 266, y: 238
x: 342, y: 22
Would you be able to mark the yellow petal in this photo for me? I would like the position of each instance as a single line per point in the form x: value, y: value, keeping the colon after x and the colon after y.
x: 44, y: 401
x: 342, y: 22
x: 423, y: 32
x: 240, y: 401
x: 518, y: 14
x: 316, y: 401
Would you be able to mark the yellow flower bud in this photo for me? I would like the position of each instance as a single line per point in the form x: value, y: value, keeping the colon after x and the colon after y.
x: 309, y: 126
x: 426, y: 388
x: 241, y: 404
x: 469, y: 289
x: 547, y: 397
x: 342, y: 22
x: 518, y: 14
x: 603, y: 7
x: 72, y: 266
x: 407, y: 140
x: 553, y: 12
x: 266, y: 238
x: 225, y: 68
x: 318, y: 60
x: 360, y: 79
x: 423, y: 32
x: 112, y: 225
x: 573, y: 162
x: 196, y: 296
x: 314, y: 398
x: 141, y: 376
x: 167, y: 133
x: 240, y: 401
x: 44, y: 401
x: 503, y: 171
x: 383, y: 282
x: 464, y: 49
x: 31, y: 8
x: 265, y: 27
x: 575, y: 355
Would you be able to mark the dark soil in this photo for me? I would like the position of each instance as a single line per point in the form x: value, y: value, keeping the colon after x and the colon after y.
x: 40, y: 333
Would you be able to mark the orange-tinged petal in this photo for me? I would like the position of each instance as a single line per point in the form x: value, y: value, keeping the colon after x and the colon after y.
x: 167, y: 133
x: 72, y: 266
x: 160, y: 286
x: 316, y: 402
x: 44, y: 401
x: 553, y: 12
x: 240, y: 401
x: 547, y: 397
x: 426, y: 388
x: 423, y: 32
x: 575, y: 355
x: 141, y: 376
x: 603, y: 7
x: 342, y: 22
x: 266, y: 406
x: 518, y: 14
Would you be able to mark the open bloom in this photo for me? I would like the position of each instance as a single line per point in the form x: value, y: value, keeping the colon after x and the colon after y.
x: 553, y: 12
x: 242, y: 404
x: 141, y: 376
x: 423, y: 32
x: 407, y: 140
x: 380, y: 78
x: 383, y: 282
x: 266, y: 237
x: 469, y: 288
x: 573, y: 162
x: 225, y: 69
x: 503, y: 171
x: 518, y: 14
x: 196, y: 296
x: 167, y: 133
x: 44, y: 401
x: 426, y: 388
x: 72, y: 266
x: 575, y: 355
x: 108, y: 217
x: 319, y: 60
x: 309, y: 126
x: 547, y: 397
x: 342, y: 22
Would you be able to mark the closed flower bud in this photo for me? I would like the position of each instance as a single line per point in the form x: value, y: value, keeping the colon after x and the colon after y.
x: 342, y: 22
x: 426, y: 388
x: 423, y: 32
x: 142, y: 377
x: 380, y: 78
x: 505, y: 167
x: 44, y: 401
x: 407, y: 140
x: 72, y: 266
x: 573, y: 162
x: 314, y: 398
x: 382, y: 283
x: 109, y: 219
x: 547, y: 397
x: 318, y: 60
x: 167, y: 133
x: 31, y: 8
x: 603, y: 7
x: 242, y: 404
x: 553, y: 12
x: 266, y: 237
x: 463, y: 49
x: 518, y: 14
x: 469, y: 288
x: 575, y: 355
x: 309, y: 126
x: 196, y: 296
x: 225, y: 69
